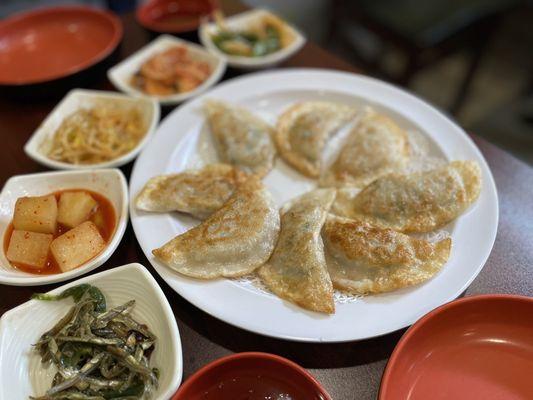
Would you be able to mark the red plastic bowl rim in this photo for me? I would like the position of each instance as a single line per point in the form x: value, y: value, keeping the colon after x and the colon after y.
x: 194, y: 377
x: 113, y: 43
x: 144, y: 20
x: 385, y: 379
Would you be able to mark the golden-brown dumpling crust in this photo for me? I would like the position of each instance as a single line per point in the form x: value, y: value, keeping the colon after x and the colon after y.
x: 303, y: 130
x: 241, y: 138
x: 364, y: 259
x: 232, y: 242
x: 197, y: 192
x: 376, y: 146
x: 297, y: 269
x: 419, y: 202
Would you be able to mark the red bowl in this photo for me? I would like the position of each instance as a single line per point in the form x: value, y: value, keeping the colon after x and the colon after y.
x: 478, y: 347
x: 52, y: 43
x: 174, y: 16
x: 251, y: 371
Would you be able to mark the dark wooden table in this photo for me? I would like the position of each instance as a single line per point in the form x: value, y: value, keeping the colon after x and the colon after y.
x: 349, y: 370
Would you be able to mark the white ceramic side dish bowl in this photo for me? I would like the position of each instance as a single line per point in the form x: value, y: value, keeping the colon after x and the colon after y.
x: 21, y: 371
x: 240, y: 22
x: 109, y: 182
x: 77, y: 99
x: 120, y: 75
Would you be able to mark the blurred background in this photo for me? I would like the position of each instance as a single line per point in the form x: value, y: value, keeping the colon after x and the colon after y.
x: 471, y: 58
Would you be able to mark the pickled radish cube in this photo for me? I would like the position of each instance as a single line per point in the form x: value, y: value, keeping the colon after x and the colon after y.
x: 77, y: 246
x: 36, y: 214
x: 29, y: 248
x: 98, y: 219
x: 75, y: 208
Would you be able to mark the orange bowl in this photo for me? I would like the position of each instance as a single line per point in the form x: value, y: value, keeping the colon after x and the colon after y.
x: 256, y: 375
x: 52, y: 43
x: 478, y: 347
x: 174, y: 16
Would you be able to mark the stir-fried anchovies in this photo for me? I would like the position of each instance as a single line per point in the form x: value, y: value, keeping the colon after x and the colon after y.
x: 91, y: 340
x: 103, y: 319
x: 99, y: 354
x: 84, y: 371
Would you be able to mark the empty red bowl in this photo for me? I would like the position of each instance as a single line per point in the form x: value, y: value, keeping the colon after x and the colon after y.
x: 52, y: 43
x: 475, y: 348
x: 174, y: 16
x: 254, y: 375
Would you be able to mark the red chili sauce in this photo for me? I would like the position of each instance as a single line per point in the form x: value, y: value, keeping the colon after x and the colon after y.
x: 253, y: 385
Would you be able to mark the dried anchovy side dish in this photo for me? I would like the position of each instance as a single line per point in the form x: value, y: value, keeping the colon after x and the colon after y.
x: 100, y: 354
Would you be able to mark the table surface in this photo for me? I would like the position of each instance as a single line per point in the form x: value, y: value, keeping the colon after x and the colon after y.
x: 348, y: 370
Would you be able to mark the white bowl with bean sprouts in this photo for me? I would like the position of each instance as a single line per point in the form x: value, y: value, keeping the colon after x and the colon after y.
x: 94, y: 129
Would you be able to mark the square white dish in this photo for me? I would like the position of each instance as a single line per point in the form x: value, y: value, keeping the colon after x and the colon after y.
x: 21, y: 373
x: 78, y: 99
x: 120, y: 75
x: 242, y: 21
x: 109, y: 182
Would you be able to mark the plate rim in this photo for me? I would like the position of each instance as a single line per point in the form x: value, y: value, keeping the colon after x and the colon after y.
x: 489, y: 183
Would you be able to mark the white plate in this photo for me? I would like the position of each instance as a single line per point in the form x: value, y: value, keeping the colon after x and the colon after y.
x: 242, y: 21
x: 120, y: 75
x: 246, y: 307
x: 21, y: 372
x: 109, y: 182
x: 81, y: 99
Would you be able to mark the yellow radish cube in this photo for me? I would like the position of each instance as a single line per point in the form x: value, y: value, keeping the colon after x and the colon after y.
x: 75, y: 208
x: 29, y: 248
x: 77, y: 246
x: 36, y: 214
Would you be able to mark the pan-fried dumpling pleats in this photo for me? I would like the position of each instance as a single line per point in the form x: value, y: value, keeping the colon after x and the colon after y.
x: 365, y: 259
x: 241, y: 138
x: 376, y: 146
x: 297, y: 269
x: 419, y: 202
x: 197, y: 192
x: 304, y: 129
x: 232, y: 242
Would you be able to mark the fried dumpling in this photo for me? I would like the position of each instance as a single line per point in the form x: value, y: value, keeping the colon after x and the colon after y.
x: 297, y: 269
x: 376, y: 146
x: 303, y: 130
x: 418, y: 202
x: 364, y: 259
x: 241, y: 138
x: 232, y: 242
x: 197, y: 192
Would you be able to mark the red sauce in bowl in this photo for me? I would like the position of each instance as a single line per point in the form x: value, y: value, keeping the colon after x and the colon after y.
x: 251, y: 376
x: 254, y: 385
